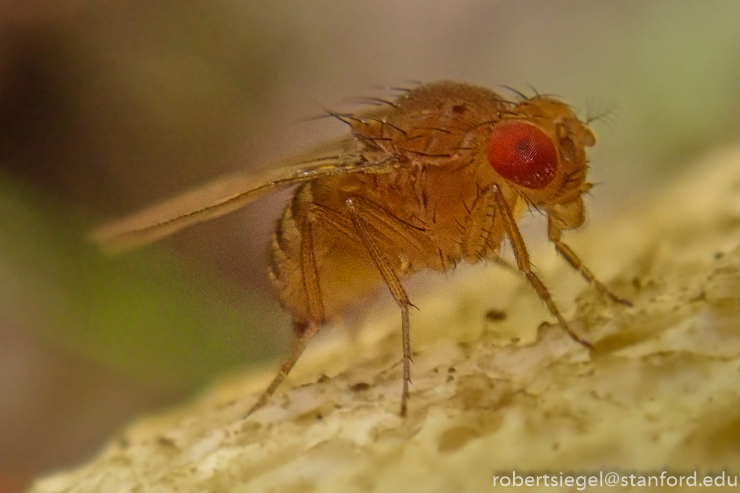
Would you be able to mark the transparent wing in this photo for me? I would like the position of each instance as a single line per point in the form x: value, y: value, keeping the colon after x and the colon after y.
x: 216, y: 199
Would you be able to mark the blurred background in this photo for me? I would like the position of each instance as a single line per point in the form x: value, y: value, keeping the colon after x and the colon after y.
x: 106, y: 107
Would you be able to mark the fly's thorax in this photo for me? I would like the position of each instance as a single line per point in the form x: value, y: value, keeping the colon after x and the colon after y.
x: 430, y: 124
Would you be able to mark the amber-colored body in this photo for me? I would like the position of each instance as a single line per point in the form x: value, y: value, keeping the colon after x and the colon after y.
x: 431, y: 179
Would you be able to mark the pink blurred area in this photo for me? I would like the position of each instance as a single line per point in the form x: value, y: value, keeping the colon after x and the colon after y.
x: 106, y: 107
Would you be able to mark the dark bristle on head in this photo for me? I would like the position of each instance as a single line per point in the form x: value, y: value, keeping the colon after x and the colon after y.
x: 519, y: 94
x: 535, y: 91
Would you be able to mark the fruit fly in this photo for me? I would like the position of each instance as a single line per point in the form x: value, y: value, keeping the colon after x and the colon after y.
x: 437, y: 176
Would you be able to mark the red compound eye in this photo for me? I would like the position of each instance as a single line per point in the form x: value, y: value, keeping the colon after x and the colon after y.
x: 523, y: 154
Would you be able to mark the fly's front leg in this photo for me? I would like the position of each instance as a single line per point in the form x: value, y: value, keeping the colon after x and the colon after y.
x: 391, y: 279
x: 554, y: 234
x: 522, y: 261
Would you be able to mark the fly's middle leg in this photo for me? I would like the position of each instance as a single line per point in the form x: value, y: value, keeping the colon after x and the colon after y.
x: 355, y: 212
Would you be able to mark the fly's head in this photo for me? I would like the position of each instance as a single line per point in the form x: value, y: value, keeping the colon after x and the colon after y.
x: 539, y: 149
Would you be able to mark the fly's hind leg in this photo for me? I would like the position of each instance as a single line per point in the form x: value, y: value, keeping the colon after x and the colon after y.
x: 554, y: 234
x: 394, y: 285
x: 315, y: 307
x: 306, y: 332
x: 525, y: 266
x: 355, y: 229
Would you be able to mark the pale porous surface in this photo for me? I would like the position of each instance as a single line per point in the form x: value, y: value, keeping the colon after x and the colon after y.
x: 661, y: 390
